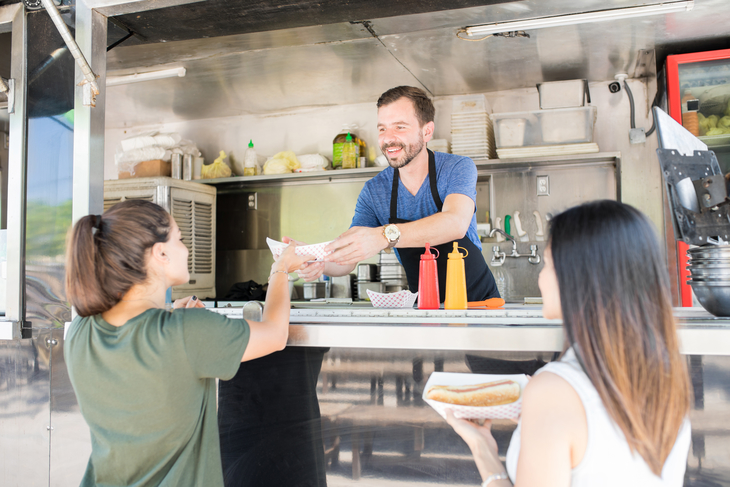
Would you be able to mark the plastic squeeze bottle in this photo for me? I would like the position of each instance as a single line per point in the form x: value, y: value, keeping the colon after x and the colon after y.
x: 350, y: 153
x: 456, y: 280
x: 250, y: 161
x: 428, y: 281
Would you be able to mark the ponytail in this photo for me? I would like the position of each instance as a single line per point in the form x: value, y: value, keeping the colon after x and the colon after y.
x: 107, y: 255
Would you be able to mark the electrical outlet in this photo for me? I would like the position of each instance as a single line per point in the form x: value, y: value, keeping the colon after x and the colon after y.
x: 253, y: 201
x: 543, y: 186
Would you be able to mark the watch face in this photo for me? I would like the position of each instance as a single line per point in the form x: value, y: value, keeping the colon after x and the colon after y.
x: 392, y: 232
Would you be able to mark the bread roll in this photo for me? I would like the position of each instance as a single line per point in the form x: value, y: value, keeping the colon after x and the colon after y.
x: 495, y: 393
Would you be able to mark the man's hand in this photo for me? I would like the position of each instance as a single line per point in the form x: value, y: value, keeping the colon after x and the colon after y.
x: 356, y: 245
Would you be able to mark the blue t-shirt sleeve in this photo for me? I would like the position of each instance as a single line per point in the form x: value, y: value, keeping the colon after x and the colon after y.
x: 214, y: 343
x: 365, y: 214
x: 461, y: 179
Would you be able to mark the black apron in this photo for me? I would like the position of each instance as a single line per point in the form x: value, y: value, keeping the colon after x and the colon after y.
x: 480, y: 283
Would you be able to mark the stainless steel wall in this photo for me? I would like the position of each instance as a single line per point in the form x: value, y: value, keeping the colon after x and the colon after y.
x: 32, y: 370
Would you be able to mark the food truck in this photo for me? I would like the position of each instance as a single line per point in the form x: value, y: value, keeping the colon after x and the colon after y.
x: 287, y: 77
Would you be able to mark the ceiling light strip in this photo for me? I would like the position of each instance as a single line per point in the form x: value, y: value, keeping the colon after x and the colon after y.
x: 582, y: 18
x: 150, y: 75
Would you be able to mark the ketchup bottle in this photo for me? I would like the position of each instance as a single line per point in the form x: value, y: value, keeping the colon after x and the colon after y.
x: 456, y: 280
x: 428, y: 281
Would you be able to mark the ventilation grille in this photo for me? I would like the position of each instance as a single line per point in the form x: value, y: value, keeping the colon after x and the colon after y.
x: 195, y: 220
x: 109, y: 202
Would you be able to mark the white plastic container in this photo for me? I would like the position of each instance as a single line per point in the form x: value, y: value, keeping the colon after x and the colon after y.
x: 544, y: 127
x: 567, y: 125
x: 562, y: 94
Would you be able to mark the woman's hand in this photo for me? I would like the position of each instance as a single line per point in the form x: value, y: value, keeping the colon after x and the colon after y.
x: 289, y: 261
x: 482, y: 444
x: 188, y: 302
x: 310, y: 271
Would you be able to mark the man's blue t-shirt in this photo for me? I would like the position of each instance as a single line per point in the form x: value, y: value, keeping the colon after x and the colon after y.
x: 454, y: 175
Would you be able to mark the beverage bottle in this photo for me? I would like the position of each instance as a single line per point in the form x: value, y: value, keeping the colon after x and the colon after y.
x: 250, y: 161
x: 502, y: 281
x: 456, y: 280
x: 690, y: 119
x: 428, y: 281
x: 350, y: 153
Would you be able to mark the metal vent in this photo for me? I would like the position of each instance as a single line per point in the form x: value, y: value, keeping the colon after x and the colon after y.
x: 109, y: 202
x: 195, y: 220
x: 203, y: 236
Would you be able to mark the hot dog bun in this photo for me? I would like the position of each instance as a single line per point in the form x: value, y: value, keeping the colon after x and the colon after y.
x: 495, y: 393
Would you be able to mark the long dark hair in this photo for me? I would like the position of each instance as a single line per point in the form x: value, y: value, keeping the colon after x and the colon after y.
x: 107, y: 255
x: 617, y: 313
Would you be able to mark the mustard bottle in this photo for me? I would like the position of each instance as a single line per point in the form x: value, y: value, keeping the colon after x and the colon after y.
x: 456, y: 280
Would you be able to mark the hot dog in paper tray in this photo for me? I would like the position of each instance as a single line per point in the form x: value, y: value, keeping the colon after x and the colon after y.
x: 476, y: 396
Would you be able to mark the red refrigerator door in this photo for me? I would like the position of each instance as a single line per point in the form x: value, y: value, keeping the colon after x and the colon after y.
x: 696, y: 74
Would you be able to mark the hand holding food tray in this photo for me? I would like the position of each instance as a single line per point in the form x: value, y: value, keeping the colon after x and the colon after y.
x: 504, y: 390
x: 317, y: 250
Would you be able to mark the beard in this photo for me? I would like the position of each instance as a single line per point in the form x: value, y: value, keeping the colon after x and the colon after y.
x: 409, y: 153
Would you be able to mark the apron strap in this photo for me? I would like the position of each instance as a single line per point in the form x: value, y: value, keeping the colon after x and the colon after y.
x: 431, y: 179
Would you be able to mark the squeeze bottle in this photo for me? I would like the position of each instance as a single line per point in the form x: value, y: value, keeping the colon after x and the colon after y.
x: 456, y: 280
x: 350, y: 153
x: 428, y: 281
x: 250, y: 161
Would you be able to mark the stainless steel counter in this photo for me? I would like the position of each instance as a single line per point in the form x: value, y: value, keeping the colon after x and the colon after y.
x: 516, y: 328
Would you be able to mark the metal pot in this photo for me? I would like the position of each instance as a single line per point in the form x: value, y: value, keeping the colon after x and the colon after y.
x: 367, y: 272
x: 314, y: 290
x: 714, y: 298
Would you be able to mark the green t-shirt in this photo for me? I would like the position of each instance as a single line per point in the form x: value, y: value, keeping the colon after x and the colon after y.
x: 147, y: 391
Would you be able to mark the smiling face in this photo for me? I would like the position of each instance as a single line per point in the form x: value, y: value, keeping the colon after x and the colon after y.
x: 177, y: 269
x: 400, y: 136
x: 548, y: 283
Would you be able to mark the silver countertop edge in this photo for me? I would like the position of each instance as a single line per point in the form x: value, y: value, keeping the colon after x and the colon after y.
x: 699, y: 333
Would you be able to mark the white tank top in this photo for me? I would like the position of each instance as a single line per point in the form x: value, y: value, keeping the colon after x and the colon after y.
x: 608, y: 461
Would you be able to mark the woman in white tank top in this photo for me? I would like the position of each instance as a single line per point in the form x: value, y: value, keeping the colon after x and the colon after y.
x: 613, y: 411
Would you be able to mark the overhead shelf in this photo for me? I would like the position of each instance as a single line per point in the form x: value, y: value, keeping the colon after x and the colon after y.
x: 483, y: 165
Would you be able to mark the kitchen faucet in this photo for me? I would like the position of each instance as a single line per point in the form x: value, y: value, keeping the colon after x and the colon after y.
x: 498, y: 256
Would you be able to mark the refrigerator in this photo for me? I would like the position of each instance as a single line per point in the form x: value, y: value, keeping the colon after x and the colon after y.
x: 698, y: 96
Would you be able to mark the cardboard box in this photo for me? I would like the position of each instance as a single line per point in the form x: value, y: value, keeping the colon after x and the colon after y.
x: 148, y: 169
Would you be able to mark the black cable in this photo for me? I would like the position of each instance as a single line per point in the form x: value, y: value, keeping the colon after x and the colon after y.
x: 631, y: 103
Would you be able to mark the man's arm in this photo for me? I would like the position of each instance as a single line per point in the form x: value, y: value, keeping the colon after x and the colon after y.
x: 360, y: 243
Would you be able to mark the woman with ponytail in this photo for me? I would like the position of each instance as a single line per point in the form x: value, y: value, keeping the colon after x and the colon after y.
x: 614, y: 409
x: 145, y: 377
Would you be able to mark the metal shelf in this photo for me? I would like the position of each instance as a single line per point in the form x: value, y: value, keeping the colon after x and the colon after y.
x: 483, y: 165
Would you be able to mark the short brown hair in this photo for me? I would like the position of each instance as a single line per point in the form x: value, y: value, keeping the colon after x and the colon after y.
x: 425, y: 110
x: 107, y: 255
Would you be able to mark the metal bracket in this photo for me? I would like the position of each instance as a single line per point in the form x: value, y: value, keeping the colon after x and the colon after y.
x: 10, y: 92
x: 696, y: 217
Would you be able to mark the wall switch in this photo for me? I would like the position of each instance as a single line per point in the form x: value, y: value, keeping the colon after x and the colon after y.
x: 543, y: 186
x: 253, y: 201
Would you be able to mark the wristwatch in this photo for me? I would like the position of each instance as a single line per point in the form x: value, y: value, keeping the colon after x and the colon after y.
x: 391, y: 234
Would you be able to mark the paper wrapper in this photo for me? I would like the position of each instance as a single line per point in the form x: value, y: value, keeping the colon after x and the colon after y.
x: 507, y: 411
x: 317, y: 250
x: 401, y: 299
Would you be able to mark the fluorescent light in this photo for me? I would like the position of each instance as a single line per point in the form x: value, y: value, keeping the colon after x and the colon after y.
x: 582, y: 18
x: 150, y: 75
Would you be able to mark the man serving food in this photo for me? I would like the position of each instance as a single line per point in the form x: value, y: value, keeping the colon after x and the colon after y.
x: 422, y: 197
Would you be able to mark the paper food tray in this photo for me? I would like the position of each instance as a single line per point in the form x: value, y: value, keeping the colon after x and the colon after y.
x: 401, y: 299
x: 507, y: 411
x: 317, y: 250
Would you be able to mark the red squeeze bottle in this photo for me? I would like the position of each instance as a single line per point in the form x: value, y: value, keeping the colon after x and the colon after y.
x: 428, y: 281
